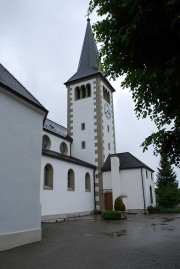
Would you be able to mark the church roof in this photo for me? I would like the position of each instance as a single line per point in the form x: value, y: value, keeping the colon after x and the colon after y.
x: 66, y: 158
x: 127, y: 161
x: 89, y: 62
x: 56, y: 129
x: 8, y: 81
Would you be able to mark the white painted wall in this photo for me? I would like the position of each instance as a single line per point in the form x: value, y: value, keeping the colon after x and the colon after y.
x: 83, y: 112
x: 20, y: 162
x: 131, y: 186
x: 56, y: 141
x: 148, y: 181
x: 60, y: 201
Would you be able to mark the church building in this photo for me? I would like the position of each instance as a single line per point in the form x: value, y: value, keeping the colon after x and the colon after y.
x: 49, y: 171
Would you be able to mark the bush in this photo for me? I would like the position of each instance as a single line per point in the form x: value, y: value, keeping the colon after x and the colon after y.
x: 114, y: 215
x: 159, y: 209
x: 119, y: 205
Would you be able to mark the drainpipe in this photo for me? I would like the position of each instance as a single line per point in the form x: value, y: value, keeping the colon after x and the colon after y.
x: 143, y: 191
x: 70, y: 147
x: 94, y: 176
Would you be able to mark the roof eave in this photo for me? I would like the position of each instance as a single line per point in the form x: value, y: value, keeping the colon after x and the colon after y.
x: 89, y: 77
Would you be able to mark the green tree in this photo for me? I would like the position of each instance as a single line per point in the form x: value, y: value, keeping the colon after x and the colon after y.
x: 167, y: 192
x: 166, y: 177
x: 141, y: 40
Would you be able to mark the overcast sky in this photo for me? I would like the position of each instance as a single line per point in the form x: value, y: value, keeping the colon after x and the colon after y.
x: 40, y: 44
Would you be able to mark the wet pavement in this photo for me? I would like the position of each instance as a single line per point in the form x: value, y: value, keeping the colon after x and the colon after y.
x: 143, y: 241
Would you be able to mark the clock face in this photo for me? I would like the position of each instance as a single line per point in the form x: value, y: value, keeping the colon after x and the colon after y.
x: 107, y: 111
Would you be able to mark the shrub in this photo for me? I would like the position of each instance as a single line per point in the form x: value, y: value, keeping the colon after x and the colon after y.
x: 113, y: 215
x: 159, y: 209
x: 119, y: 205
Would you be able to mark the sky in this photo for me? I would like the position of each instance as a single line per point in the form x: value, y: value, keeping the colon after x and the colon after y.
x: 40, y: 44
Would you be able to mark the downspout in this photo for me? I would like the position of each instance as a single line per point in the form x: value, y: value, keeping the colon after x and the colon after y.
x: 94, y: 176
x: 143, y: 191
x: 70, y: 147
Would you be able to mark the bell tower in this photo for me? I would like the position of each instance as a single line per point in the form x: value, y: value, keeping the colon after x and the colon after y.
x: 90, y: 113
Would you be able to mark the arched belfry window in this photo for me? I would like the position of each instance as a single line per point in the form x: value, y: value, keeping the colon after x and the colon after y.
x: 83, y: 91
x: 151, y: 195
x: 88, y: 90
x: 87, y: 182
x: 106, y: 95
x: 71, y: 180
x: 77, y: 93
x: 48, y: 177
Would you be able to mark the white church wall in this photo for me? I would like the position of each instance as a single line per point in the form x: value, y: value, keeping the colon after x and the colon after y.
x: 56, y: 142
x: 107, y: 182
x: 20, y: 162
x: 61, y: 203
x: 148, y: 181
x: 83, y: 112
x: 131, y: 186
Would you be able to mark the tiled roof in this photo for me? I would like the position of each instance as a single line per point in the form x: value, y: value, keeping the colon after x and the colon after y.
x: 56, y: 129
x: 89, y: 62
x: 66, y: 158
x: 127, y: 161
x: 14, y: 86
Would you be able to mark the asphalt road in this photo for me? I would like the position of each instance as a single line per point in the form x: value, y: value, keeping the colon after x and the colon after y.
x: 143, y: 241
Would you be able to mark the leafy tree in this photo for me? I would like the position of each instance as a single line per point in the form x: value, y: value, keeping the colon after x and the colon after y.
x: 141, y: 40
x: 167, y: 197
x: 167, y: 192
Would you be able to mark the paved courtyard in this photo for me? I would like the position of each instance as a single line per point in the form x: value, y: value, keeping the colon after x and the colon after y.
x: 90, y: 243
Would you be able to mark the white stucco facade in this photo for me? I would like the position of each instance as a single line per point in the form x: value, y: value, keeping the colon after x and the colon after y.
x: 59, y: 201
x: 20, y: 162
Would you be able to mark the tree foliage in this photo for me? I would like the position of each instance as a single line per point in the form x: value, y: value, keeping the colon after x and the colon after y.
x: 167, y: 192
x: 166, y: 177
x: 141, y: 40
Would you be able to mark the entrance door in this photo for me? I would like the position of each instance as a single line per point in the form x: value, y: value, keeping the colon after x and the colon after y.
x: 108, y: 201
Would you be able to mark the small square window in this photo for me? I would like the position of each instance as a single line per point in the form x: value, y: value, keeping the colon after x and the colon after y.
x: 83, y: 144
x: 83, y: 126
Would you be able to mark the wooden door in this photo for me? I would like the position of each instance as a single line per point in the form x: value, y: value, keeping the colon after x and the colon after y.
x: 108, y: 201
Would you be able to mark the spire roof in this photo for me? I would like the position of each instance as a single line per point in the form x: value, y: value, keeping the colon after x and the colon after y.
x: 89, y: 62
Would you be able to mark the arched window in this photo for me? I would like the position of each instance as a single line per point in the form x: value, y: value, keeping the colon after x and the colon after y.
x: 71, y: 180
x: 48, y: 177
x: 46, y: 142
x: 88, y: 90
x: 83, y: 89
x: 77, y: 93
x: 87, y: 182
x: 151, y: 195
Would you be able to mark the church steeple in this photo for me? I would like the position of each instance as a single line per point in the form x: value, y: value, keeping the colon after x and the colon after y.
x: 89, y: 62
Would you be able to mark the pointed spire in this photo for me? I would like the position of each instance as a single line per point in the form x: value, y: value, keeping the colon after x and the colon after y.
x: 89, y: 62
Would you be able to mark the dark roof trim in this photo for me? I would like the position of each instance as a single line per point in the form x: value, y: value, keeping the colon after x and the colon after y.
x: 67, y: 138
x: 24, y: 98
x: 90, y: 77
x: 66, y: 158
